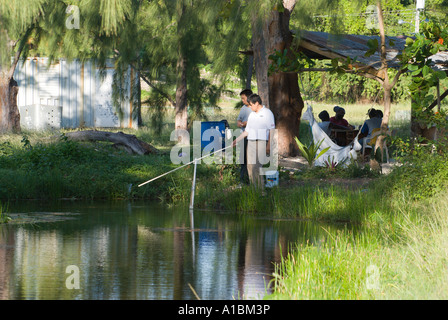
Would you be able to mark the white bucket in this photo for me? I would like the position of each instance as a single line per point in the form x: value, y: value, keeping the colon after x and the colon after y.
x: 271, y: 179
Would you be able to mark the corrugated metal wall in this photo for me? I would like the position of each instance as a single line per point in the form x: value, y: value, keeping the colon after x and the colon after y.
x: 70, y: 95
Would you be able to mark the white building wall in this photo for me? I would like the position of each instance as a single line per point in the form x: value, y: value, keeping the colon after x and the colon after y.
x: 70, y: 95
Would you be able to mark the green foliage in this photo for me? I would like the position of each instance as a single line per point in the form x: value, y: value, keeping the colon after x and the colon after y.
x: 373, y: 47
x: 4, y: 218
x: 354, y: 170
x: 75, y: 170
x: 289, y: 61
x: 415, y: 59
x: 421, y: 177
x: 334, y: 269
x: 311, y: 153
x: 345, y: 16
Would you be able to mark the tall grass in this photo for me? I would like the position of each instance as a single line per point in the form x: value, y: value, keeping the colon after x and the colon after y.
x: 307, y: 202
x: 400, y: 253
x: 4, y: 218
x: 36, y: 167
x: 372, y: 265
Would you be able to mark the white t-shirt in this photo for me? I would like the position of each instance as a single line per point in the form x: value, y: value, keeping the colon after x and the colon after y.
x: 244, y: 114
x: 259, y: 123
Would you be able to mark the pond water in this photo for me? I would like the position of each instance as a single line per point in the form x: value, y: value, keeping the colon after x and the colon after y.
x: 141, y: 250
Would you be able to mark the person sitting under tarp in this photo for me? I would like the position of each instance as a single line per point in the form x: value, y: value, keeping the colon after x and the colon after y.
x: 338, y: 120
x: 343, y: 156
x: 340, y: 127
x: 325, y: 122
x: 369, y: 127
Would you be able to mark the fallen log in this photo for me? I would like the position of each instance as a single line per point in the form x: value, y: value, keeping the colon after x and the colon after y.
x: 128, y: 141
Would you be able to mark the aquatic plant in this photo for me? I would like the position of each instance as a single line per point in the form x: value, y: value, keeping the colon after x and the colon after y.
x: 311, y: 153
x: 4, y: 218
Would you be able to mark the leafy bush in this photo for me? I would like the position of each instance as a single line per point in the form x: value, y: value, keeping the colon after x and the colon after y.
x: 422, y: 178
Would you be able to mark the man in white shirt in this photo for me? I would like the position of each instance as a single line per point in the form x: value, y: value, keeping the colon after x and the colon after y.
x: 241, y: 123
x: 259, y: 124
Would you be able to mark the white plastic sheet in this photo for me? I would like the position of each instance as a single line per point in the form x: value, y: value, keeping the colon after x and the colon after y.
x: 336, y: 154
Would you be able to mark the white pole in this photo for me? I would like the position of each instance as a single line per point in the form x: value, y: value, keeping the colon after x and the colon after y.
x: 417, y: 21
x: 420, y: 5
x: 193, y: 185
x: 207, y: 155
x: 192, y: 235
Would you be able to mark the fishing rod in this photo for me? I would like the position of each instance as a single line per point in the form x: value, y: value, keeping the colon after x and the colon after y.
x: 195, y: 160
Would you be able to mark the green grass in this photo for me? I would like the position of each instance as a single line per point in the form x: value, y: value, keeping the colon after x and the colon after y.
x: 38, y: 165
x: 39, y: 169
x: 400, y: 251
x: 4, y: 218
x: 322, y: 203
x: 372, y: 264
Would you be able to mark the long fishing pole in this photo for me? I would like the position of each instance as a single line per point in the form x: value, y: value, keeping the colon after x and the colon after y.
x: 208, y: 155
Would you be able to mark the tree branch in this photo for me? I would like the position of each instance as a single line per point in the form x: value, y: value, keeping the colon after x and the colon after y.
x: 382, y: 36
x: 397, y: 76
x: 160, y: 91
x: 22, y: 43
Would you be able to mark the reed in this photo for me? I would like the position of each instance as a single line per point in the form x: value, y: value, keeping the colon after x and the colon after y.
x: 4, y: 217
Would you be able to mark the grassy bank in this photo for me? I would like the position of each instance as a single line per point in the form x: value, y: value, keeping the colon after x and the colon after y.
x: 39, y: 165
x: 401, y: 254
x: 373, y: 265
x: 41, y: 168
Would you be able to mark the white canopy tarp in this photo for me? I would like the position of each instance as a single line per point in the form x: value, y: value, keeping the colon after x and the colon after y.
x: 336, y: 154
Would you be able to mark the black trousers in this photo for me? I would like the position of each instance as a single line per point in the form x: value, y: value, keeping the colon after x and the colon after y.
x: 244, y: 175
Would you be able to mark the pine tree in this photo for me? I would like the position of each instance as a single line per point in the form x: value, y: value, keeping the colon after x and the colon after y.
x: 18, y: 19
x: 175, y: 35
x: 268, y: 23
x: 28, y: 26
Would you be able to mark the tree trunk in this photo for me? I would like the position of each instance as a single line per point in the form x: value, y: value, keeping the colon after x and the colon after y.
x: 139, y: 100
x: 181, y: 107
x: 9, y: 112
x: 259, y: 36
x: 129, y: 142
x: 181, y: 117
x: 287, y: 105
x: 284, y: 94
x: 387, y: 86
x: 250, y: 69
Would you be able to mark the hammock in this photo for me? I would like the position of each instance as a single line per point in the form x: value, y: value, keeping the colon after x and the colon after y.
x: 336, y: 154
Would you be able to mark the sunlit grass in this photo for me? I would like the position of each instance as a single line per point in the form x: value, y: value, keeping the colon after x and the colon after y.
x: 410, y: 263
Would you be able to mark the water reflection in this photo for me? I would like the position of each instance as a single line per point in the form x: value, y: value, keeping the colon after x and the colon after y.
x: 142, y: 251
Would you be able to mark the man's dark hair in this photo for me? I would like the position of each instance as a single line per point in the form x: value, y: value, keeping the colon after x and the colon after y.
x: 246, y: 92
x: 324, y: 116
x: 253, y: 98
x: 379, y: 114
x: 372, y: 113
